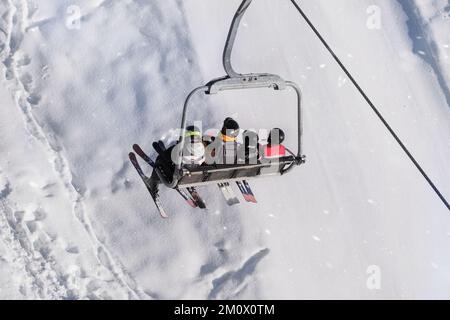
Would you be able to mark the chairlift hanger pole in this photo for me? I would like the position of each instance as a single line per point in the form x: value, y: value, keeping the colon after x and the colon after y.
x: 232, y: 37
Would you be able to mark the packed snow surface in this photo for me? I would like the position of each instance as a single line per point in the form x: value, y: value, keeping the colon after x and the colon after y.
x: 81, y: 81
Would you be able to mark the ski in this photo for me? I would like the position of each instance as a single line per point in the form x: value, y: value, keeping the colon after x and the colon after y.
x: 250, y: 192
x: 228, y: 193
x: 145, y: 179
x: 246, y: 191
x: 143, y: 155
x: 199, y: 201
x: 191, y: 201
x: 187, y: 196
x: 243, y: 191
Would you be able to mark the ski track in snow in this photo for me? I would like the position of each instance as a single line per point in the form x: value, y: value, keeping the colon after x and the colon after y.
x: 43, y: 281
x: 13, y: 25
x: 49, y: 281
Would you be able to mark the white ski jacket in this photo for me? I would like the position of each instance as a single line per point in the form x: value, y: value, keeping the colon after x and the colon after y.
x: 193, y: 153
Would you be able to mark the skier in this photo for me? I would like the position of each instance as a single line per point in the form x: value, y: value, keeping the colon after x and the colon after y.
x: 248, y: 152
x: 223, y: 149
x: 167, y: 167
x: 274, y: 148
x: 194, y: 150
x: 193, y: 155
x: 228, y: 136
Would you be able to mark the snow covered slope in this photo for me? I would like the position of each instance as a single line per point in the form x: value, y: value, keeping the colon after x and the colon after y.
x: 84, y: 80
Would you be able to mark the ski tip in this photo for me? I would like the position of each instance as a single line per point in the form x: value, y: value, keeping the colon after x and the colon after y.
x: 192, y: 204
x: 250, y: 198
x: 131, y: 155
x: 232, y: 202
x: 137, y: 148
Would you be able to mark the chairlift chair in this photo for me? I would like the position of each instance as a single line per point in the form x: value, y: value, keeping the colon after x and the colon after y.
x: 184, y: 178
x: 216, y: 173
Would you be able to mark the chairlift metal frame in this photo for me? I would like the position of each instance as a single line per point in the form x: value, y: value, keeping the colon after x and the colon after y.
x: 235, y: 81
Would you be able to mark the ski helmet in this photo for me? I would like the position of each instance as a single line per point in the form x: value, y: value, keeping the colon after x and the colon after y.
x: 230, y: 128
x: 277, y: 135
x: 193, y: 133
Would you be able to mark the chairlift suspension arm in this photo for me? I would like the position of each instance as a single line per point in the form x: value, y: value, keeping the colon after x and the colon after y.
x: 232, y: 37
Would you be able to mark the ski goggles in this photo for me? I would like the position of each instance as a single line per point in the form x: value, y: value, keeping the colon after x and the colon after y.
x: 226, y: 138
x: 193, y: 135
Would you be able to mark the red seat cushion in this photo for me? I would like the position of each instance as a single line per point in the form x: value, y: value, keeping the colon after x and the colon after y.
x: 275, y: 151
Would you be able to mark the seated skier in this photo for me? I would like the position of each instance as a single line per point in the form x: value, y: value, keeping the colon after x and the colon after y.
x: 274, y: 148
x: 223, y: 148
x: 193, y: 155
x: 194, y: 150
x: 228, y: 136
x: 248, y: 152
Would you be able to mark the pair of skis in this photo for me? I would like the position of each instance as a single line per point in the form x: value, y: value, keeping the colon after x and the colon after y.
x: 228, y: 193
x: 190, y: 195
x: 146, y: 180
x: 231, y: 198
x: 246, y: 191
